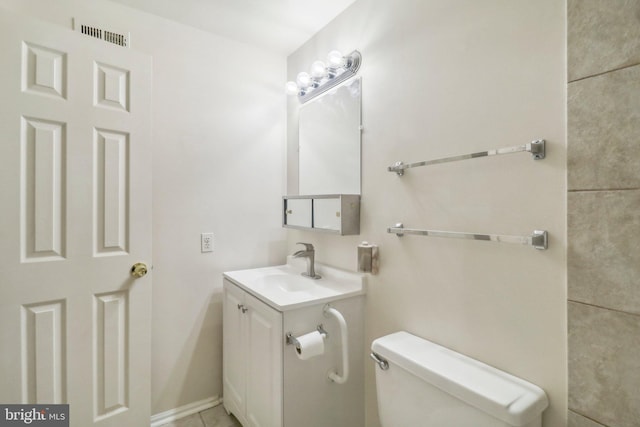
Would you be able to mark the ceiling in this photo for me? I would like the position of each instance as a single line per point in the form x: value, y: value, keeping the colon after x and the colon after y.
x: 278, y: 25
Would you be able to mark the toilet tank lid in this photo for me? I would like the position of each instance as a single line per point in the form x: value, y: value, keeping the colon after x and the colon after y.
x: 502, y: 395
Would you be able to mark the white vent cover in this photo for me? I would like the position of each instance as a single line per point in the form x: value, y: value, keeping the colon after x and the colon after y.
x: 115, y: 37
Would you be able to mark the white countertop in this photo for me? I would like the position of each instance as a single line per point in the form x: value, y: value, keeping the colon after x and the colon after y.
x: 284, y: 288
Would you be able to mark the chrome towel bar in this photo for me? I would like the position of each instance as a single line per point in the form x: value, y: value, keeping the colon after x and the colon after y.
x: 536, y: 148
x: 538, y: 239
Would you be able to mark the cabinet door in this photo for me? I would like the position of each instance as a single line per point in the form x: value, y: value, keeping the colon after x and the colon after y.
x: 234, y: 342
x: 264, y: 364
x: 298, y: 212
x: 326, y: 214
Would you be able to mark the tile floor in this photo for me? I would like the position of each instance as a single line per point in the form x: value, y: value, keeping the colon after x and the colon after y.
x: 213, y: 417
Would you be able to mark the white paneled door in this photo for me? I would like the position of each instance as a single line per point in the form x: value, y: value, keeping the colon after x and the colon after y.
x: 75, y: 216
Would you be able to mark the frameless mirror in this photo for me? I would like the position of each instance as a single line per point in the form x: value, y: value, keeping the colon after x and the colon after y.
x: 329, y: 130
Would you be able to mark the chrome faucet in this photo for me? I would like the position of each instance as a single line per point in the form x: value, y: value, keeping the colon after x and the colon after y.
x: 309, y: 253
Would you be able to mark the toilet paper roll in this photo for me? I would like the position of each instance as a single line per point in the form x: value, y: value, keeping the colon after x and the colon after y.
x: 310, y: 345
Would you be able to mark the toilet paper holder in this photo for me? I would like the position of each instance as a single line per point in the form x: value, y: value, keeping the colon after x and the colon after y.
x: 293, y: 340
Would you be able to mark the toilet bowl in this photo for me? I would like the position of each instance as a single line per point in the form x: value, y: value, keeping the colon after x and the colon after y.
x: 422, y: 384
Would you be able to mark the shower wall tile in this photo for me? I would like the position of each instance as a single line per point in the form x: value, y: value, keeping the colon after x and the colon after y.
x: 603, y: 259
x: 602, y: 36
x: 604, y: 249
x: 577, y: 420
x: 604, y: 367
x: 604, y: 131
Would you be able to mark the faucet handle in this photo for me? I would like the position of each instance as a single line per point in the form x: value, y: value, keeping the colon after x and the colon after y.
x: 307, y: 246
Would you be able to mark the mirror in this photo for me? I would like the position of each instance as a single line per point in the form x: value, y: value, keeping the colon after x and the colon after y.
x: 329, y: 129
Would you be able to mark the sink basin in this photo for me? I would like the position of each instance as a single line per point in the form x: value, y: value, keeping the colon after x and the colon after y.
x: 284, y: 288
x: 287, y: 282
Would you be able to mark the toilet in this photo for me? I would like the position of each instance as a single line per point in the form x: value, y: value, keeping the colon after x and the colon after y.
x: 422, y: 384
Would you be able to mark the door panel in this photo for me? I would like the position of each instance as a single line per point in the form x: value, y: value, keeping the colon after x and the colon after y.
x: 75, y: 185
x: 111, y: 178
x: 110, y: 353
x: 234, y: 350
x: 43, y: 338
x: 264, y: 364
x: 42, y: 195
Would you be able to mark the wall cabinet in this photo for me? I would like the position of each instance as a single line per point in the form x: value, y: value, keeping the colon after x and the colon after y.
x: 336, y: 213
x: 252, y: 359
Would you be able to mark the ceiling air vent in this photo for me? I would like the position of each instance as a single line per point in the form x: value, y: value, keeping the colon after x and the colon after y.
x: 118, y: 38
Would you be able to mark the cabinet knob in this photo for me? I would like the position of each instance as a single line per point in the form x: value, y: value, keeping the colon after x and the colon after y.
x: 289, y: 211
x: 243, y: 308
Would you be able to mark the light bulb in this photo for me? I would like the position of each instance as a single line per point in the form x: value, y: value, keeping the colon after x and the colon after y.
x: 335, y: 59
x: 303, y: 80
x: 318, y: 70
x: 291, y: 88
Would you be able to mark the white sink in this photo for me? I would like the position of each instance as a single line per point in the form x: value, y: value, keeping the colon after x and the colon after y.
x: 284, y: 288
x: 287, y: 282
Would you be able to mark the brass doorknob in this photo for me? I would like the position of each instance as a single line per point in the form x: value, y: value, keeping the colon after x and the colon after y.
x: 139, y: 269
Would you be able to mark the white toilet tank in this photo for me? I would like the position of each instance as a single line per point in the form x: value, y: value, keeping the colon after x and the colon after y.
x: 427, y: 385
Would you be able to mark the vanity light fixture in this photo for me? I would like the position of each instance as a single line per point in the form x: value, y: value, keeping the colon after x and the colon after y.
x: 323, y: 77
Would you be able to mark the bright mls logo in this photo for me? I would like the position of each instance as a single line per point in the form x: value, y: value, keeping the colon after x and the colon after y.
x: 34, y: 415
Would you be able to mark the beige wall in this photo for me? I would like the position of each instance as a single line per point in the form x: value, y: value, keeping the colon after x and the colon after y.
x: 439, y: 78
x: 603, y: 206
x: 218, y: 166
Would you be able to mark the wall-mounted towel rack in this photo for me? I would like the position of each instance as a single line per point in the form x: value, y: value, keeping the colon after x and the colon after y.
x: 538, y: 239
x: 536, y: 148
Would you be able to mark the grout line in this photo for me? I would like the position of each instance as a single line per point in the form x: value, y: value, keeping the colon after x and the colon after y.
x: 603, y: 308
x: 604, y: 72
x: 587, y: 417
x: 602, y: 189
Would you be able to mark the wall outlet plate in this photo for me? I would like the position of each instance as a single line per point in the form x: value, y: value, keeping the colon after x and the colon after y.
x: 206, y: 242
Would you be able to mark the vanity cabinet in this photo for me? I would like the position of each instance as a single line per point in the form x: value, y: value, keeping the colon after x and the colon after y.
x: 252, y: 358
x: 335, y: 213
x: 266, y: 382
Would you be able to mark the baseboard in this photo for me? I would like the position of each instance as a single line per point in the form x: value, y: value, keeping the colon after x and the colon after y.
x: 184, y: 411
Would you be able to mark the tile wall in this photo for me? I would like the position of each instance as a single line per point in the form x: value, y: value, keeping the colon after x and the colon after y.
x: 604, y: 212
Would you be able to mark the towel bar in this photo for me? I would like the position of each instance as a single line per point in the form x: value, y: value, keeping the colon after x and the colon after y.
x: 536, y: 148
x: 538, y: 239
